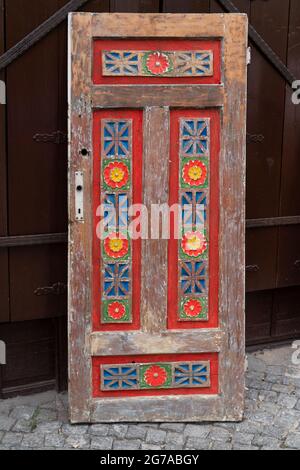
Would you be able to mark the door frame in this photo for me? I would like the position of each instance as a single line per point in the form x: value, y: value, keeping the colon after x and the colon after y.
x: 228, y: 339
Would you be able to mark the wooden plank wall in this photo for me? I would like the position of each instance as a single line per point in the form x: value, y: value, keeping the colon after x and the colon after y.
x: 33, y: 180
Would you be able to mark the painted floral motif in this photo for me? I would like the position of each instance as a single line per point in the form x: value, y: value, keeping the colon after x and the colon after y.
x: 167, y: 375
x: 194, y: 173
x: 194, y: 244
x: 130, y: 63
x: 116, y: 245
x: 157, y: 63
x: 192, y: 308
x: 155, y: 376
x: 116, y: 174
x: 116, y: 310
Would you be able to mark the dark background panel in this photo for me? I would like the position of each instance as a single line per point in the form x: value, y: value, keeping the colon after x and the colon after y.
x: 290, y: 194
x: 31, y: 357
x: 134, y: 6
x: 266, y: 101
x: 97, y: 6
x: 261, y: 259
x: 259, y: 324
x: 286, y: 318
x: 37, y: 190
x: 188, y: 6
x: 32, y: 269
x: 25, y: 19
x: 37, y: 183
x: 288, y: 272
x: 4, y: 281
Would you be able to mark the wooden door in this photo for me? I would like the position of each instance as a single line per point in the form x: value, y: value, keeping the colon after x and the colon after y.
x: 157, y: 117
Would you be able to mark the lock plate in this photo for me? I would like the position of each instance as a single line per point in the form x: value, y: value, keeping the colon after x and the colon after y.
x: 79, y: 213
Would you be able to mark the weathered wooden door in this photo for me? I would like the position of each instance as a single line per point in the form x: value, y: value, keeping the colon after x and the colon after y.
x: 157, y: 117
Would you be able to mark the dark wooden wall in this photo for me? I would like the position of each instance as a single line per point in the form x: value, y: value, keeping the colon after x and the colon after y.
x: 33, y: 186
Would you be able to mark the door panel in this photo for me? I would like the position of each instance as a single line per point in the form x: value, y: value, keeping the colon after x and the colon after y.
x: 38, y: 282
x: 188, y: 6
x: 288, y: 273
x: 148, y: 115
x: 134, y: 6
x: 4, y: 290
x: 286, y: 320
x: 264, y: 157
x: 261, y: 258
x: 259, y: 323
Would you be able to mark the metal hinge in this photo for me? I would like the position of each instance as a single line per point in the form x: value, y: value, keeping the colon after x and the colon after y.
x: 252, y: 268
x: 255, y: 138
x: 56, y: 137
x: 58, y: 288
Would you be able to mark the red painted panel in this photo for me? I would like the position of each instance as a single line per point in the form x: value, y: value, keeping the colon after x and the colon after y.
x: 213, y: 300
x: 137, y: 152
x: 161, y: 44
x: 214, y: 372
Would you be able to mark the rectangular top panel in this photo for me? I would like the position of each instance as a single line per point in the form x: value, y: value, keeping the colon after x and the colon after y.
x: 160, y: 61
x: 158, y: 25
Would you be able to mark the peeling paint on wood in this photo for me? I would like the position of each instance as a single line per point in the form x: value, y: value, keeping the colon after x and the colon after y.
x: 228, y: 339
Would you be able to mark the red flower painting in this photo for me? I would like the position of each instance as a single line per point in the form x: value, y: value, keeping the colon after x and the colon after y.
x: 116, y: 245
x: 116, y: 310
x: 194, y: 244
x: 158, y: 63
x: 192, y: 308
x: 116, y: 174
x: 155, y: 376
x: 194, y: 173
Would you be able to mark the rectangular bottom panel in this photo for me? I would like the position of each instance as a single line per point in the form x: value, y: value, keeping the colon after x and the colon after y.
x: 179, y: 408
x: 155, y: 375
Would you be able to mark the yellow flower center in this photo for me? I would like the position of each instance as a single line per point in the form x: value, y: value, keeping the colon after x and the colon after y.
x: 195, y: 172
x: 116, y: 310
x: 192, y: 307
x: 193, y: 243
x: 115, y: 244
x: 116, y: 175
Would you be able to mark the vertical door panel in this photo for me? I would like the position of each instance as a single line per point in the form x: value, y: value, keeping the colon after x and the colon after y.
x: 37, y: 168
x: 264, y: 150
x: 288, y: 252
x: 4, y: 290
x: 38, y: 282
x: 117, y: 274
x: 261, y: 258
x: 286, y: 320
x: 264, y: 158
x: 259, y: 323
x: 194, y: 276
